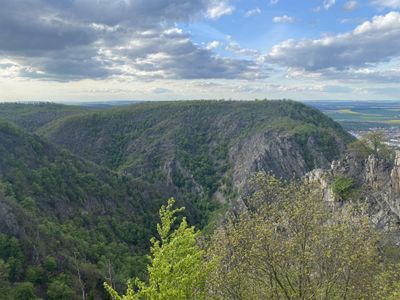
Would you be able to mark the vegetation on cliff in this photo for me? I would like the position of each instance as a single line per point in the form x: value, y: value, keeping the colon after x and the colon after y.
x: 80, y: 189
x: 288, y: 244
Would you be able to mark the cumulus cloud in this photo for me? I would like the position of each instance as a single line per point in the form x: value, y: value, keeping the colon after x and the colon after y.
x: 361, y: 75
x: 371, y: 42
x: 283, y: 19
x: 218, y: 9
x: 171, y: 54
x: 71, y: 40
x: 213, y: 45
x: 237, y: 49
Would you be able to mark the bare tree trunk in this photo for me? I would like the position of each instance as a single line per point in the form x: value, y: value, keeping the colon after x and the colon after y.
x: 110, y: 274
x: 82, y: 284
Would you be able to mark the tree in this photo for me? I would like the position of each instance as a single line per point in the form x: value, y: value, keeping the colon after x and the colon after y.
x: 375, y: 139
x: 342, y: 187
x: 4, y: 282
x: 24, y: 291
x: 371, y: 143
x: 59, y: 289
x: 359, y: 149
x: 176, y: 269
x: 289, y: 244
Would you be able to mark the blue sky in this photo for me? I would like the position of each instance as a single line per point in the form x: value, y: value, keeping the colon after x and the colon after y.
x: 74, y: 50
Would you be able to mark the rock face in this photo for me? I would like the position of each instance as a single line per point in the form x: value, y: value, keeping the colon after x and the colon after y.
x: 9, y: 223
x: 273, y: 153
x: 205, y: 149
x: 377, y: 180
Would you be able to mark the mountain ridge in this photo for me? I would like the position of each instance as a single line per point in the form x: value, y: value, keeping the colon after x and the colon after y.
x: 81, y: 192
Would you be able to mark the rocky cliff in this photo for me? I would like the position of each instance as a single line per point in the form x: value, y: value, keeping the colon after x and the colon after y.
x: 204, y: 149
x: 375, y: 181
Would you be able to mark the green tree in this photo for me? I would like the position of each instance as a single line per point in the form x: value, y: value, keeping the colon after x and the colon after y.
x: 176, y: 269
x: 371, y: 143
x: 289, y: 244
x: 375, y: 140
x: 342, y: 187
x: 359, y: 149
x: 4, y: 282
x: 59, y: 290
x: 24, y: 291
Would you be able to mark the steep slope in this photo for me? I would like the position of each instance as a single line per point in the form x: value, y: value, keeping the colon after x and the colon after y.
x: 67, y: 221
x: 60, y: 214
x: 372, y: 180
x: 204, y: 149
x: 34, y: 116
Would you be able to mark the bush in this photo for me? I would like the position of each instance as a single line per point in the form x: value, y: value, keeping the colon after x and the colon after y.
x: 342, y: 187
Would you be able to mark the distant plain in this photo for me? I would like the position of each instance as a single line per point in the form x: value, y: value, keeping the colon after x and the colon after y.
x: 361, y: 115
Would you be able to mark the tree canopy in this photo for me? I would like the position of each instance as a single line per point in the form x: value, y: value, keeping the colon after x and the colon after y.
x: 177, y: 269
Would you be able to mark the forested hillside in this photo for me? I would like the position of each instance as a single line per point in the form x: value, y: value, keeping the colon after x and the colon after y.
x: 60, y: 214
x: 203, y: 149
x: 35, y: 115
x: 80, y: 189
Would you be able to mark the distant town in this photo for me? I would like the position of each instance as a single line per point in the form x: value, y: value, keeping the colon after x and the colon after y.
x: 362, y: 117
x: 391, y: 134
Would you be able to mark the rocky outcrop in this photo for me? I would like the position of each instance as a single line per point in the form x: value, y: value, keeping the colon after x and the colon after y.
x: 324, y: 179
x: 378, y: 183
x: 275, y: 153
x: 8, y: 223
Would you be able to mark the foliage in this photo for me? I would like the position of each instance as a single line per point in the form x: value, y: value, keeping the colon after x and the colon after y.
x: 359, y: 149
x: 35, y: 115
x: 24, y: 291
x: 289, y: 245
x: 342, y: 187
x: 66, y: 216
x: 372, y: 143
x: 59, y: 289
x: 61, y: 214
x: 184, y: 146
x: 176, y: 269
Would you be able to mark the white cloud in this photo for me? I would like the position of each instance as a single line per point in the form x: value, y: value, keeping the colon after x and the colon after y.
x: 273, y: 2
x: 252, y: 12
x: 219, y: 9
x: 350, y: 5
x: 237, y: 49
x: 394, y: 4
x: 213, y: 45
x: 283, y: 19
x: 74, y: 40
x: 371, y: 42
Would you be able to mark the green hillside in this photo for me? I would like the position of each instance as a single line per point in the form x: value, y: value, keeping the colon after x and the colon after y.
x: 194, y: 146
x: 58, y: 212
x: 35, y: 115
x: 79, y: 198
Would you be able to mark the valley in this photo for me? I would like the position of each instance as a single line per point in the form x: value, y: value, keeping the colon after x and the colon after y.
x: 80, y: 187
x: 180, y: 150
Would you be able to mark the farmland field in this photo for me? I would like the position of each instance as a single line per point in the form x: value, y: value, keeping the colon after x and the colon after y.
x: 361, y: 115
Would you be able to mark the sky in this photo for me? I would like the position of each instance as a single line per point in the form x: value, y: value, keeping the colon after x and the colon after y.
x: 84, y: 50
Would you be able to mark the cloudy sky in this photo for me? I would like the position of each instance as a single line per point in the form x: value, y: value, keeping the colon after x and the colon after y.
x: 67, y: 50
